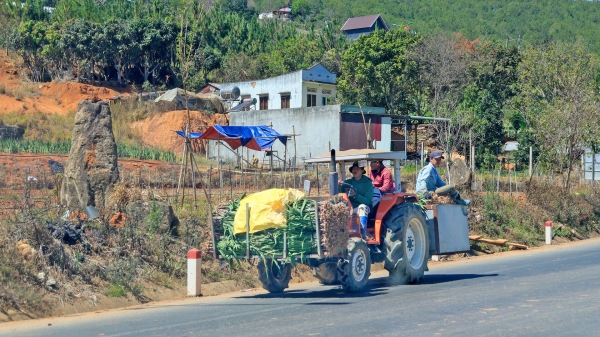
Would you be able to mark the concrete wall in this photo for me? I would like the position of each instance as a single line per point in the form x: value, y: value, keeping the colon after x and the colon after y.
x: 354, y: 34
x: 274, y: 87
x: 386, y: 135
x: 318, y: 91
x: 317, y: 128
x: 296, y: 84
x: 318, y: 73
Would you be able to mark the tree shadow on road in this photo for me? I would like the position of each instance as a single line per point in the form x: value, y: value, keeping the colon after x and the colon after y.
x: 443, y: 278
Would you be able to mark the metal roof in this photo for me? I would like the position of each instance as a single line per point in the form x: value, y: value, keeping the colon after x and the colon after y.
x: 362, y: 22
x: 510, y: 146
x: 358, y: 154
x: 241, y: 106
x: 178, y: 95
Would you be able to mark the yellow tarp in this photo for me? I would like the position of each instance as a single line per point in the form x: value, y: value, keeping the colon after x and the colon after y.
x: 267, y: 209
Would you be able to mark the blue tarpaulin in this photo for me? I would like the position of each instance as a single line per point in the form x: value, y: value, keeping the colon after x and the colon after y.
x: 193, y: 135
x: 257, y: 138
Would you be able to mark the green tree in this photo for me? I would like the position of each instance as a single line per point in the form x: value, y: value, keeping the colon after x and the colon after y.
x: 493, y: 76
x: 154, y: 39
x: 300, y: 7
x: 375, y: 70
x: 32, y: 39
x: 120, y: 49
x: 560, y: 102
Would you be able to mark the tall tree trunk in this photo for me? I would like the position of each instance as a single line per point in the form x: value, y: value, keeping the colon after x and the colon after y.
x: 119, y: 67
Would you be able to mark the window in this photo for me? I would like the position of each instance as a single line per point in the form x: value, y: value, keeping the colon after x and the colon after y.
x: 325, y: 99
x: 311, y: 100
x: 285, y: 101
x: 264, y: 102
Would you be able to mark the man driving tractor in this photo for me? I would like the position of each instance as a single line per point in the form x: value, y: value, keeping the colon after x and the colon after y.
x: 429, y: 181
x: 360, y: 194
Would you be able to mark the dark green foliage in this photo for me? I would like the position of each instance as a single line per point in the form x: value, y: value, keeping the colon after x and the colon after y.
x: 533, y: 21
x: 376, y: 69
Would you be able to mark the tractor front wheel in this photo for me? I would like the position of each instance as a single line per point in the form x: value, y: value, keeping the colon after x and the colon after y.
x: 275, y: 276
x: 354, y: 272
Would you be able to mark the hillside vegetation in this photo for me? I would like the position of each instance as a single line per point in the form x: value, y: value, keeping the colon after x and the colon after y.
x: 535, y: 21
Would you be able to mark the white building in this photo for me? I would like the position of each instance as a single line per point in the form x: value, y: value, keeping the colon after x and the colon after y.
x: 284, y: 13
x: 303, y: 88
x: 317, y: 129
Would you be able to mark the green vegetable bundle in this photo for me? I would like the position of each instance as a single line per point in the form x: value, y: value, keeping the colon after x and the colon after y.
x: 300, y: 232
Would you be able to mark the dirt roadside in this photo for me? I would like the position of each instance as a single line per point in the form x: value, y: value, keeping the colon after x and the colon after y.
x: 228, y: 289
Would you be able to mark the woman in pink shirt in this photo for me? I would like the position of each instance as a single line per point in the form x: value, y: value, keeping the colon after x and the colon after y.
x: 381, y: 177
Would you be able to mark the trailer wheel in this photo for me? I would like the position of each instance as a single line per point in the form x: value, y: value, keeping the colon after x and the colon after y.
x: 354, y: 272
x: 326, y: 273
x: 274, y: 275
x: 407, y: 249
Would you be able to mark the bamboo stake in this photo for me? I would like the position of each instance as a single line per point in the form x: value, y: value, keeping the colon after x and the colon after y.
x: 193, y: 165
x: 184, y: 174
x: 230, y: 182
x: 181, y: 171
x: 295, y: 159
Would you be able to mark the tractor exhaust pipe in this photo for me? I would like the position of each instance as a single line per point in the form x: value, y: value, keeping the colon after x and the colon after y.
x: 333, y: 176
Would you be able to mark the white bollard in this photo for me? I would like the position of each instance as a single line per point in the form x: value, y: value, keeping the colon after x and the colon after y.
x: 194, y: 275
x: 548, y: 232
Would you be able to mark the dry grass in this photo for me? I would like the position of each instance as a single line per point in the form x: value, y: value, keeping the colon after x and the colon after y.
x: 43, y: 127
x: 522, y: 219
x: 24, y: 90
x: 106, y: 262
x: 122, y: 195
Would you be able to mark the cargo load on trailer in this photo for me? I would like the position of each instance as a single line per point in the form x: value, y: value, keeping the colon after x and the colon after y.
x: 280, y: 224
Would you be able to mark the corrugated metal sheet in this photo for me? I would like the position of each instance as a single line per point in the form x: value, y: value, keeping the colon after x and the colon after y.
x: 360, y: 22
x: 352, y: 131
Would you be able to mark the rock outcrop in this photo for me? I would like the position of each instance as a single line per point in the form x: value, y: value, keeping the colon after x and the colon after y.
x: 11, y: 131
x: 91, y: 170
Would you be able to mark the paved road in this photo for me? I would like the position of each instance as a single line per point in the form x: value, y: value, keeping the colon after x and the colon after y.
x: 553, y: 292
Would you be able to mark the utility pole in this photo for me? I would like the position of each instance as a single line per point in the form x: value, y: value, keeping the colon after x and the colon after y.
x: 519, y: 43
x: 530, y: 161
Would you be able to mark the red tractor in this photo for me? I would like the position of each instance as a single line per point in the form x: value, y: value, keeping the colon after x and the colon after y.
x: 400, y: 233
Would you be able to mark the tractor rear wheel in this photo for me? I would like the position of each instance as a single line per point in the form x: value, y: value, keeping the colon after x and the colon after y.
x: 354, y: 272
x: 407, y: 249
x: 274, y: 275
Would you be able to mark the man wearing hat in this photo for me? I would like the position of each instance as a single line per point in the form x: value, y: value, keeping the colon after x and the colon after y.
x: 360, y: 194
x: 429, y: 180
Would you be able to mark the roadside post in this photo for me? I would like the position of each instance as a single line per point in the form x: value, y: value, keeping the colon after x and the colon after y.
x: 194, y: 273
x: 548, y: 232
